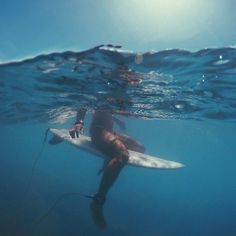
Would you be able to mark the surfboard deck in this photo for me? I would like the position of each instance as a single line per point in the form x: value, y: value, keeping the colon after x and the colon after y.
x: 135, y: 158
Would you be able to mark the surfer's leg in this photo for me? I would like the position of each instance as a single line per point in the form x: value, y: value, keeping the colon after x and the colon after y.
x: 112, y: 146
x: 115, y: 165
x: 131, y: 143
x: 110, y: 174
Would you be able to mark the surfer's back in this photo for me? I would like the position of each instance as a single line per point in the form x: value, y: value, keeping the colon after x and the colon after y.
x: 102, y: 119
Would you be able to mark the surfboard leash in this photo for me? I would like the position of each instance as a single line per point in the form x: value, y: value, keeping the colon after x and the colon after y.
x: 58, y: 200
x: 36, y: 161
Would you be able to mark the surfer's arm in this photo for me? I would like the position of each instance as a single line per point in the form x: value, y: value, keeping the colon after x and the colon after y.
x: 81, y: 114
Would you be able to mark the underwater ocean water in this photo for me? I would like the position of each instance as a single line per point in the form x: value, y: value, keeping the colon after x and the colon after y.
x: 182, y: 107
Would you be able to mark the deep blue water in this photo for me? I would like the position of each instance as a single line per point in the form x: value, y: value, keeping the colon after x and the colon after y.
x: 185, y: 108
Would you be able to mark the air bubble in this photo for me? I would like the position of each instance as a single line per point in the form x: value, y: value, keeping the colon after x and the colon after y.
x: 179, y: 106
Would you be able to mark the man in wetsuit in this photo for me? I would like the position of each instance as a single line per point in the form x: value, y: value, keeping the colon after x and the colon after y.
x: 115, y: 146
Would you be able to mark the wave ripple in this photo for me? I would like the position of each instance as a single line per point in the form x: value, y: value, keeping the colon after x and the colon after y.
x: 170, y: 84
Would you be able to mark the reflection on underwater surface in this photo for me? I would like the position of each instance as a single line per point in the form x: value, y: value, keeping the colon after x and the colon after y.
x: 171, y: 84
x: 174, y: 88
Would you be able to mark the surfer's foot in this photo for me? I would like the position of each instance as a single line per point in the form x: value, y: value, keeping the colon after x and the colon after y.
x: 97, y: 212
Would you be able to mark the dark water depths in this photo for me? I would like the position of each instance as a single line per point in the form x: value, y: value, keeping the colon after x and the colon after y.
x: 190, y: 98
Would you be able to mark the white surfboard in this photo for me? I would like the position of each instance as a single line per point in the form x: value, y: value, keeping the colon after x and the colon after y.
x: 135, y: 158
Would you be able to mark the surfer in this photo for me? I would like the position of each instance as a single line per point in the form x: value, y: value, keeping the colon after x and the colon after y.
x: 114, y: 145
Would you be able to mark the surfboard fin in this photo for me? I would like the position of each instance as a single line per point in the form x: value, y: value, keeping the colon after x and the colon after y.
x: 55, y: 140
